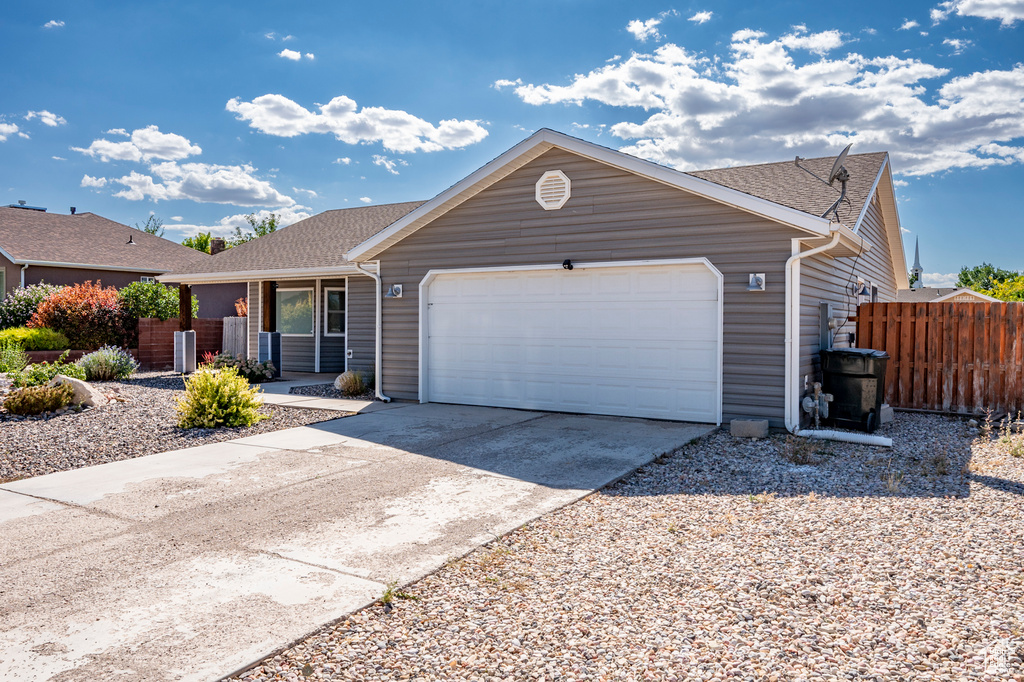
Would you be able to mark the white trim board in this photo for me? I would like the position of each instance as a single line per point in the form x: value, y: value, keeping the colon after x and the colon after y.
x: 424, y: 305
x: 544, y: 140
x: 261, y: 275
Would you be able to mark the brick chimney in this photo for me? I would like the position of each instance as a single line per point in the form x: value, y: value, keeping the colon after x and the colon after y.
x: 216, y: 245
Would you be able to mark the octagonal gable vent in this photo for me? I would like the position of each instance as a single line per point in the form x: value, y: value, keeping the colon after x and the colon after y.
x: 553, y: 190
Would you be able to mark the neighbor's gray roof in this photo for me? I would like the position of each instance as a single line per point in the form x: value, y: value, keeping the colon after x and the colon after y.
x: 90, y: 240
x: 318, y: 242
x: 795, y: 185
x: 925, y: 294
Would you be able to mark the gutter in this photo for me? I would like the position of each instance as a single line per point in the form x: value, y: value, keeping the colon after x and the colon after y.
x: 378, y: 345
x: 23, y: 269
x: 254, y: 275
x: 792, y: 404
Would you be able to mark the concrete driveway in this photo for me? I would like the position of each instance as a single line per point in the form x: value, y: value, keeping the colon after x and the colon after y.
x: 189, y: 565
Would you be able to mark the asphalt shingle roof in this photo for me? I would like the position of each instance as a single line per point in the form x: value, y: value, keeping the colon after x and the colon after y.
x: 798, y: 185
x: 317, y: 242
x: 88, y: 239
x: 925, y: 294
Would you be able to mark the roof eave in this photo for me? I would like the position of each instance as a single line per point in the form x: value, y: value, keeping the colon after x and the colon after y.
x: 544, y: 140
x: 255, y: 275
x: 87, y: 266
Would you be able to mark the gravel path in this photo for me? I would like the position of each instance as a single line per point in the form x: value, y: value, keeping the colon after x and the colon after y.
x: 725, y: 560
x: 143, y: 424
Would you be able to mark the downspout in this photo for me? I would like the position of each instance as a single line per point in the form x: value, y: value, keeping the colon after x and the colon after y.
x: 792, y: 405
x: 378, y: 343
x: 23, y: 269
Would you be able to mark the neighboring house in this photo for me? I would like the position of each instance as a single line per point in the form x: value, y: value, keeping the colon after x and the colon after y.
x: 38, y: 246
x: 691, y: 296
x: 943, y: 295
x: 300, y: 284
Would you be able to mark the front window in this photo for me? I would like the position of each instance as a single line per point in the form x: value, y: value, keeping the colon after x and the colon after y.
x: 295, y: 311
x: 334, y: 312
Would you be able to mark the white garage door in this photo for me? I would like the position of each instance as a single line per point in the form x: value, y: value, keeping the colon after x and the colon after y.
x: 637, y: 340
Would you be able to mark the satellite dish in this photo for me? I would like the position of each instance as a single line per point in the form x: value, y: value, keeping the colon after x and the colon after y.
x: 837, y: 167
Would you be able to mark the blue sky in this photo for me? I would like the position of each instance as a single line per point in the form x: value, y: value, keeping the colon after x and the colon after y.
x: 203, y: 112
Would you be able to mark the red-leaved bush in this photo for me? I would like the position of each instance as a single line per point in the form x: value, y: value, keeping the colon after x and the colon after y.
x: 88, y: 314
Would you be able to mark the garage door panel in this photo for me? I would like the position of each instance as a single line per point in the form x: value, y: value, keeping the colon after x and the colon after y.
x: 633, y: 341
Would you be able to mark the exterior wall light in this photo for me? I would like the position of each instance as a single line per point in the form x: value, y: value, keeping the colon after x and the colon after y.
x: 755, y: 281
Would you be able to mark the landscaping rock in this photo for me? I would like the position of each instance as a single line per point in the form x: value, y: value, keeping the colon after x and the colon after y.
x: 748, y: 428
x: 84, y: 393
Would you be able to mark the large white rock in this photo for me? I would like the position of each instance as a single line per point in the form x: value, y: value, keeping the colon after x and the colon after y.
x: 84, y: 393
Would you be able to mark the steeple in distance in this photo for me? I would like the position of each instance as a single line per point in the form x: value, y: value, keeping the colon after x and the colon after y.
x: 917, y: 271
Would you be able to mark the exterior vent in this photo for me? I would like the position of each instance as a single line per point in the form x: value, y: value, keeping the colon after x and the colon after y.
x: 553, y: 190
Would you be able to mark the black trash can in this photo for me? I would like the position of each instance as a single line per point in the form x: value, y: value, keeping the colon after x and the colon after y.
x: 856, y: 379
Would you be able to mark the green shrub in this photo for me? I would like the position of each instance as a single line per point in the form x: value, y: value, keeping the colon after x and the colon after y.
x: 21, y: 304
x: 39, y: 338
x: 254, y: 372
x: 152, y: 299
x: 39, y: 399
x: 40, y: 373
x: 12, y: 356
x: 108, y: 364
x: 219, y: 397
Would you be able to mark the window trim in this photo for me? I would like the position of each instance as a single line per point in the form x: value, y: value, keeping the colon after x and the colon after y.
x: 147, y: 279
x: 312, y: 318
x: 344, y: 312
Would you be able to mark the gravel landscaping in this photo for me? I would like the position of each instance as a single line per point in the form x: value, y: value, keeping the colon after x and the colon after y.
x: 774, y: 559
x: 329, y: 391
x: 141, y: 421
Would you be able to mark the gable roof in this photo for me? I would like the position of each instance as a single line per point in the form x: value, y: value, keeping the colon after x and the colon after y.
x: 940, y: 294
x: 86, y: 240
x: 309, y: 247
x: 791, y: 209
x: 803, y: 185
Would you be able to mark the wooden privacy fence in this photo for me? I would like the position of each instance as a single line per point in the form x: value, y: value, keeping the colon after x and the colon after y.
x: 235, y: 340
x: 964, y: 358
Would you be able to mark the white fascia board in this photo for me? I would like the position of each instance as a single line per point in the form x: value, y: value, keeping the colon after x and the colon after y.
x: 87, y: 266
x: 8, y: 256
x: 257, y: 275
x: 871, y: 193
x: 544, y: 140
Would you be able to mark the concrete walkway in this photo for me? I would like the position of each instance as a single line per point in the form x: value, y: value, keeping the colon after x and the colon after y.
x: 189, y: 565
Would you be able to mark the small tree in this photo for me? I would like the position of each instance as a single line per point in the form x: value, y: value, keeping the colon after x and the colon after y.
x: 152, y: 299
x: 200, y: 242
x: 153, y: 225
x: 1009, y: 290
x: 983, y: 277
x: 259, y: 228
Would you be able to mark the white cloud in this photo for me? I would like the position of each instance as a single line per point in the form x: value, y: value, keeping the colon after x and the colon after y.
x: 900, y: 183
x: 290, y: 54
x: 701, y: 17
x: 53, y: 23
x: 390, y: 164
x: 765, y: 100
x: 908, y: 24
x: 904, y: 230
x: 957, y: 44
x: 58, y: 158
x: 286, y: 215
x: 870, y: 31
x: 342, y: 160
x: 50, y: 119
x: 504, y: 83
x: 310, y: 55
x: 7, y: 129
x: 177, y: 218
x: 365, y: 200
x: 118, y: 131
x: 939, y: 279
x: 287, y: 38
x: 1008, y: 12
x: 202, y: 182
x: 310, y: 192
x: 146, y: 144
x: 644, y: 30
x: 89, y: 181
x: 397, y: 130
x: 270, y: 36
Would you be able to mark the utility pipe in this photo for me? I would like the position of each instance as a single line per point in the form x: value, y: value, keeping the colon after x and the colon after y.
x: 792, y: 405
x: 23, y: 269
x: 379, y: 344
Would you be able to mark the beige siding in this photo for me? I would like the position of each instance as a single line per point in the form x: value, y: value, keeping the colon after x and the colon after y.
x: 362, y: 321
x: 612, y: 215
x: 827, y: 280
x: 255, y: 309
